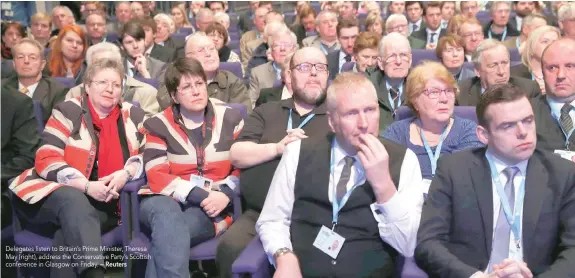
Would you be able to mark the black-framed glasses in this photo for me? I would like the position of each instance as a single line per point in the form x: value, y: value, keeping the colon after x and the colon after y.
x: 306, y: 67
x: 434, y: 93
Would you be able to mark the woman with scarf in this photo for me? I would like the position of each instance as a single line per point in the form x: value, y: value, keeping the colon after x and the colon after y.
x: 91, y: 149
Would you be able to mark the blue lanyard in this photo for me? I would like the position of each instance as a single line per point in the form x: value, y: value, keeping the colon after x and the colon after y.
x: 290, y: 124
x: 323, y: 49
x: 502, y: 37
x: 513, y: 217
x: 565, y: 132
x: 278, y: 71
x: 335, y: 206
x: 400, y: 89
x: 433, y: 157
x: 516, y: 41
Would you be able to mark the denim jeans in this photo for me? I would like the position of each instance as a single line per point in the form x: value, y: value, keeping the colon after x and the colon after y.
x: 174, y: 230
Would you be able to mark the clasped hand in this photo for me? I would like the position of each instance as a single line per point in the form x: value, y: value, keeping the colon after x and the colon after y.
x: 108, y: 187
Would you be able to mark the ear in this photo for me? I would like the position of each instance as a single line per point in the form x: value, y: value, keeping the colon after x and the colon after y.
x: 331, y: 121
x: 482, y: 134
x: 42, y: 65
x: 380, y: 63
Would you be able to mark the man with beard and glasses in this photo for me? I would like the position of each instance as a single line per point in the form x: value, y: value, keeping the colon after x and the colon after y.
x: 347, y: 204
x: 259, y: 147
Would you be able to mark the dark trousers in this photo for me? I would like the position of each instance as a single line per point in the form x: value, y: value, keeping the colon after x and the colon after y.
x: 235, y: 240
x: 75, y: 220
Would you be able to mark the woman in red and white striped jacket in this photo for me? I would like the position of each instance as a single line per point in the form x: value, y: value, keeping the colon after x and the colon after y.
x: 191, y: 181
x: 91, y: 148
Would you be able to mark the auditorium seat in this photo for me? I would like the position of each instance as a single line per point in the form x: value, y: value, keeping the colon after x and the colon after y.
x: 185, y: 30
x: 419, y: 55
x: 153, y: 82
x: 233, y: 67
x: 67, y: 82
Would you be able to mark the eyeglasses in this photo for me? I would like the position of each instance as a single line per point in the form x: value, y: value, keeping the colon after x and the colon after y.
x: 477, y: 34
x: 434, y: 93
x: 102, y: 85
x: 278, y: 45
x: 306, y: 67
x: 402, y: 56
x: 189, y: 87
x: 398, y: 28
x: 204, y: 50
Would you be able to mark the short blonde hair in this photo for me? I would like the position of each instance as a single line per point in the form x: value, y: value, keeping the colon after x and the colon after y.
x: 420, y: 75
x: 372, y: 18
x: 167, y: 19
x: 348, y: 82
x: 532, y: 40
x: 41, y: 16
x: 33, y: 43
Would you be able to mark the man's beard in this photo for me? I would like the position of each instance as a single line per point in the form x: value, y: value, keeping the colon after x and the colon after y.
x: 309, y: 98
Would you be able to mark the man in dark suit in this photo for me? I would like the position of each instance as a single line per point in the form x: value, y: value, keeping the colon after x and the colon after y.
x: 499, y: 27
x: 29, y: 61
x: 464, y: 229
x: 522, y: 9
x: 414, y: 11
x: 432, y: 32
x: 284, y: 91
x: 492, y: 67
x: 554, y: 112
x: 159, y: 52
x: 347, y: 31
x: 389, y: 77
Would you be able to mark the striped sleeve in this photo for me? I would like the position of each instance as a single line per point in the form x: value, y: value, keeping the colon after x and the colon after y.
x: 50, y: 156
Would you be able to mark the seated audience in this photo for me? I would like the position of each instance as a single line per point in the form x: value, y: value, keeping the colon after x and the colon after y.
x: 389, y: 77
x: 522, y: 9
x: 530, y: 66
x: 566, y: 18
x: 348, y: 9
x: 447, y: 12
x: 376, y: 200
x: 165, y: 26
x: 365, y: 52
x: 347, y: 31
x: 434, y: 130
x: 191, y: 181
x: 265, y: 137
x: 61, y: 16
x: 255, y: 34
x: 29, y: 60
x: 398, y: 23
x: 90, y: 7
x: 219, y: 35
x: 326, y: 39
x: 499, y: 27
x: 133, y: 42
x: 180, y: 18
x: 554, y: 112
x: 137, y: 10
x: 12, y: 33
x: 67, y: 55
x: 370, y: 7
x: 96, y: 28
x: 468, y: 228
x: 134, y: 91
x: 41, y: 28
x: 123, y: 15
x: 529, y: 23
x: 469, y: 8
x: 455, y: 24
x: 166, y: 53
x: 257, y: 49
x: 433, y: 30
x: 282, y: 43
x: 471, y: 32
x: 278, y: 92
x: 149, y: 8
x: 305, y: 23
x: 396, y: 7
x: 414, y: 13
x: 223, y: 19
x: 20, y: 137
x: 491, y: 64
x: 222, y: 84
x: 74, y: 188
x: 451, y: 54
x: 246, y: 20
x: 374, y: 23
x: 217, y: 6
x: 204, y: 17
x: 195, y: 7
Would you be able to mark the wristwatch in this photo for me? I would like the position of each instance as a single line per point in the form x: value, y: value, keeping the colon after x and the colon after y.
x: 282, y: 251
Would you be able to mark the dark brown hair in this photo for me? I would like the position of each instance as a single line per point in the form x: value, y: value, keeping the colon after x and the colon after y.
x: 216, y: 27
x: 347, y: 23
x: 366, y: 40
x: 179, y: 68
x: 149, y: 22
x: 494, y: 94
x: 434, y: 4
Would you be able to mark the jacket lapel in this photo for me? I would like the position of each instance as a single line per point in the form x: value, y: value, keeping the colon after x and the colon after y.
x: 88, y: 119
x: 536, y: 181
x: 41, y: 91
x: 475, y: 92
x: 383, y: 93
x: 481, y: 178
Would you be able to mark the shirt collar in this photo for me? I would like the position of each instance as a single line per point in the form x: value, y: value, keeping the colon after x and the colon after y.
x: 31, y: 88
x: 318, y: 110
x: 149, y: 51
x: 556, y: 106
x: 429, y: 31
x: 285, y: 93
x: 339, y: 154
x: 220, y: 79
x: 500, y: 165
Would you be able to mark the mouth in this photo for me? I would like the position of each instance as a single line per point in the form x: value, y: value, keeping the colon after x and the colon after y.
x: 524, y: 146
x: 443, y: 110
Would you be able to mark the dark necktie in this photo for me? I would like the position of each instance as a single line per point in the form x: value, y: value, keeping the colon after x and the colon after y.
x: 500, y: 246
x: 394, y: 97
x: 432, y: 39
x: 414, y: 28
x: 565, y: 120
x: 347, y: 58
x: 344, y: 178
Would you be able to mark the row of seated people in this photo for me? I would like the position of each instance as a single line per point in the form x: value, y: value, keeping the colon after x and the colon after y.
x: 172, y: 148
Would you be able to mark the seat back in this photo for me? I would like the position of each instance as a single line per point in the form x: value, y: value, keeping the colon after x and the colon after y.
x: 419, y: 55
x: 233, y: 44
x: 233, y: 67
x: 153, y: 82
x: 185, y: 30
x: 67, y: 82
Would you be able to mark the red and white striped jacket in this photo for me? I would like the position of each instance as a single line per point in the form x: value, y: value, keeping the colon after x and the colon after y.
x: 69, y: 147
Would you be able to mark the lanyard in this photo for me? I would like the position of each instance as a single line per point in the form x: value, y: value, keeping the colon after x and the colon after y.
x: 513, y: 217
x: 304, y: 122
x: 323, y: 49
x: 336, y: 207
x: 277, y: 70
x: 206, y: 135
x: 565, y: 132
x: 433, y: 157
x: 400, y: 89
x: 502, y: 37
x: 516, y: 41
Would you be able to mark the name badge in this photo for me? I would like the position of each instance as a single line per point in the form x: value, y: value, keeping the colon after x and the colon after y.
x: 201, y: 182
x: 425, y: 184
x: 569, y: 155
x: 329, y: 242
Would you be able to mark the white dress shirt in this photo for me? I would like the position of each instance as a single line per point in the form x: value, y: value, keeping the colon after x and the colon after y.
x: 519, y: 177
x: 285, y: 93
x: 342, y: 60
x: 519, y: 21
x: 556, y: 109
x: 130, y: 69
x: 418, y: 24
x: 443, y: 24
x: 31, y: 88
x: 398, y: 219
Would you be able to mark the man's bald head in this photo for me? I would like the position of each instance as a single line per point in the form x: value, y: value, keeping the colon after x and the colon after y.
x: 302, y: 55
x: 558, y: 45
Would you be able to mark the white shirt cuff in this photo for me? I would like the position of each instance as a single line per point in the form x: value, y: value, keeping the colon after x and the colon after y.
x: 182, y: 190
x: 392, y: 211
x: 140, y: 169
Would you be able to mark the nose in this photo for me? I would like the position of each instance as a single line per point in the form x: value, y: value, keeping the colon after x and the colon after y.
x: 26, y: 60
x: 561, y: 73
x: 443, y: 97
x: 362, y: 121
x: 135, y: 45
x: 521, y: 130
x: 501, y: 69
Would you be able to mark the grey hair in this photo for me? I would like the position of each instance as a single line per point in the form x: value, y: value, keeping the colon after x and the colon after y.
x: 530, y: 19
x: 497, y: 3
x: 284, y: 31
x: 392, y: 18
x: 323, y: 13
x: 222, y: 16
x: 567, y: 11
x: 32, y: 42
x: 204, y: 12
x: 393, y: 37
x: 111, y: 50
x: 100, y: 65
x: 65, y: 8
x: 273, y: 27
x: 348, y: 82
x: 483, y: 46
x: 167, y: 19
